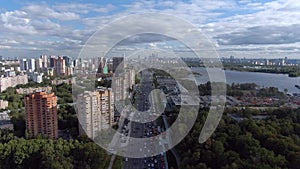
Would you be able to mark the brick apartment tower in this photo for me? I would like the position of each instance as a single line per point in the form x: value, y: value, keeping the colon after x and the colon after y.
x: 41, y: 114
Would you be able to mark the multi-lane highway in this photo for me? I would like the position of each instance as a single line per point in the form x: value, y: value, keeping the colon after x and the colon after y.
x: 141, y: 130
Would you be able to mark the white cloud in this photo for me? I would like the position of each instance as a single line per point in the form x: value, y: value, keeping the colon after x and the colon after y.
x: 84, y: 8
x: 233, y: 26
x: 46, y: 12
x: 4, y: 47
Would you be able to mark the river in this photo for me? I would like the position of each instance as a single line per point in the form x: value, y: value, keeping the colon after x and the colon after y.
x: 281, y: 81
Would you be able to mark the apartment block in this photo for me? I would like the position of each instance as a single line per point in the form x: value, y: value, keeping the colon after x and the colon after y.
x: 122, y: 83
x: 5, y: 121
x: 41, y: 114
x: 95, y: 111
x: 6, y: 82
x: 29, y: 90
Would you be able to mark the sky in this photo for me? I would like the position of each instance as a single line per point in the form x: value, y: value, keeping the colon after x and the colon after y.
x: 242, y: 28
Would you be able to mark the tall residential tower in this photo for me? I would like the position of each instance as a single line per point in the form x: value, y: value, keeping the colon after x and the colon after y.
x: 41, y: 114
x: 95, y: 111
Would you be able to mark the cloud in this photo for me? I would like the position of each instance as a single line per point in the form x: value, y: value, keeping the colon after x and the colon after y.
x: 234, y: 26
x: 46, y: 12
x: 262, y: 35
x: 150, y: 38
x: 16, y: 21
x: 84, y: 8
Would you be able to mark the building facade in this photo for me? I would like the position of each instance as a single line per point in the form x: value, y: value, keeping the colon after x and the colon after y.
x: 3, y: 104
x: 41, y: 114
x: 29, y: 90
x: 95, y: 111
x: 122, y: 84
x: 118, y: 63
x: 5, y: 121
x: 60, y: 66
x: 6, y: 82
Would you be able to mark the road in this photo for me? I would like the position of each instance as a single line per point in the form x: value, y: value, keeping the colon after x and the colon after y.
x: 140, y: 130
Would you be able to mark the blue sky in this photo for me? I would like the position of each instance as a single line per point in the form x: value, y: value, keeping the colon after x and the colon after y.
x: 243, y: 28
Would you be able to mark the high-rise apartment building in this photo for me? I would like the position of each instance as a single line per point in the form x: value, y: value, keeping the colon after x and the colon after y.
x: 95, y: 111
x: 31, y: 64
x: 27, y: 64
x: 41, y: 114
x: 44, y: 61
x: 67, y: 60
x: 52, y: 61
x: 23, y: 64
x: 60, y: 66
x: 122, y: 83
x: 39, y: 64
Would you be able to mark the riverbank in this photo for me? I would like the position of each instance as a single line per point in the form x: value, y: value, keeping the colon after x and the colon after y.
x: 281, y: 81
x: 291, y: 71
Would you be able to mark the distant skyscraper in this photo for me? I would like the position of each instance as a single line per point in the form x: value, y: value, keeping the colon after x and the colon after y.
x: 101, y: 65
x: 118, y: 61
x: 67, y: 60
x: 60, y: 66
x: 31, y: 64
x: 44, y: 61
x: 95, y: 111
x: 23, y: 64
x: 41, y: 114
x: 286, y: 61
x: 231, y: 59
x: 52, y: 61
x: 109, y: 64
x: 39, y: 64
x: 75, y: 62
x: 267, y: 62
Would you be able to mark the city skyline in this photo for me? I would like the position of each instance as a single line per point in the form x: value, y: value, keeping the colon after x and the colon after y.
x: 245, y: 28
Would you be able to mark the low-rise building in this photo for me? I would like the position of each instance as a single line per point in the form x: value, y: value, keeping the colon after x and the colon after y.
x: 46, y: 89
x: 5, y: 122
x: 61, y: 81
x: 6, y: 82
x: 3, y: 104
